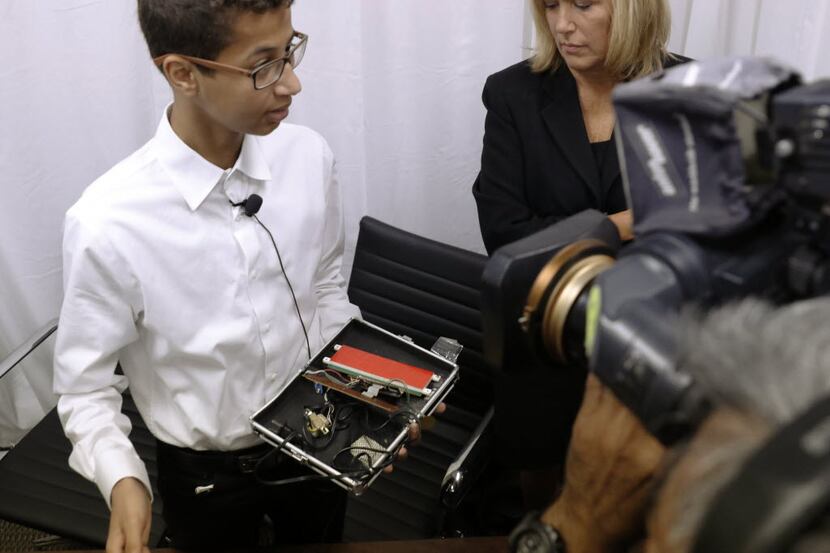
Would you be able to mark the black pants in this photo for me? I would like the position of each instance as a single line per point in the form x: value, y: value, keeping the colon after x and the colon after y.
x: 213, y: 500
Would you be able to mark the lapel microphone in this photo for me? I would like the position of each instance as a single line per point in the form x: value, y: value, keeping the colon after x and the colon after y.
x: 250, y: 205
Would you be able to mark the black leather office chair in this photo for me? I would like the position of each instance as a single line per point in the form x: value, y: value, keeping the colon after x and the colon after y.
x: 37, y: 487
x: 423, y: 289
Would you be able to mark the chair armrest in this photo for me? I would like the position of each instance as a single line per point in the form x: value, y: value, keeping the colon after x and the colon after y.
x: 462, y: 472
x: 19, y: 354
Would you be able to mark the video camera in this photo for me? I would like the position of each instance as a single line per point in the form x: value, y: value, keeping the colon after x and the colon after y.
x: 725, y: 165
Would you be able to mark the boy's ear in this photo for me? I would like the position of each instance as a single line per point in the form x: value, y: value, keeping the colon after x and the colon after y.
x: 180, y: 75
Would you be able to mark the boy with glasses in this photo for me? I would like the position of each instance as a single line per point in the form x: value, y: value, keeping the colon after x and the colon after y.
x: 169, y: 271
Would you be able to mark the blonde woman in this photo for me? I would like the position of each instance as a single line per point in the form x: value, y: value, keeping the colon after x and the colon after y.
x: 549, y: 154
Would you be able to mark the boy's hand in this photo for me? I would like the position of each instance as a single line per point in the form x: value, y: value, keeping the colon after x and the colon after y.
x: 414, y: 438
x: 130, y: 519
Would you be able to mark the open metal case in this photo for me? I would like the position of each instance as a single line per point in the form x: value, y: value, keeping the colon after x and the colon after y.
x: 366, y: 432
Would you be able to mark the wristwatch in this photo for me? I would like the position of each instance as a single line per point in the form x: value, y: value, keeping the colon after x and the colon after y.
x: 534, y: 536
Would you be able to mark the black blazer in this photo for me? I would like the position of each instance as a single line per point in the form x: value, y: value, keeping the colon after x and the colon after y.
x: 537, y: 166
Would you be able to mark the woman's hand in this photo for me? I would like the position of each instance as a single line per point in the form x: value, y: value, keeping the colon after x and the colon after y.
x: 624, y: 222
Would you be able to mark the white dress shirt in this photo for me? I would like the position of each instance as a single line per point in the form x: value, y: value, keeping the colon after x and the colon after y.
x: 162, y: 274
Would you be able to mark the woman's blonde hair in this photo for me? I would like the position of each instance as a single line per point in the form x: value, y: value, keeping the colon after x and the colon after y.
x: 636, y: 47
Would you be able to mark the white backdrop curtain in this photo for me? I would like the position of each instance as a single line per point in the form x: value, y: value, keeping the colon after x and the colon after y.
x: 394, y: 85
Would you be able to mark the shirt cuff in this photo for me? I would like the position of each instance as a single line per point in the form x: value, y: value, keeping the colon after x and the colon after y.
x: 114, y: 466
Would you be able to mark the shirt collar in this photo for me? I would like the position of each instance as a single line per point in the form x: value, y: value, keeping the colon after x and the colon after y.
x: 193, y: 175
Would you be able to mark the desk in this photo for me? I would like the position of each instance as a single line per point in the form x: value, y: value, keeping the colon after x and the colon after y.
x: 466, y: 545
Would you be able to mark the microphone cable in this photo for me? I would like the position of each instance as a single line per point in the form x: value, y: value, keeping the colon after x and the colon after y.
x: 250, y: 206
x: 290, y: 288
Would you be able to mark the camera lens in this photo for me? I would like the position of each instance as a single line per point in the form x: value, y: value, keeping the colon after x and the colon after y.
x: 556, y: 302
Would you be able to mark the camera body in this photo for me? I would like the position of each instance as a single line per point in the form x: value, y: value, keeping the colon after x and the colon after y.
x: 725, y: 165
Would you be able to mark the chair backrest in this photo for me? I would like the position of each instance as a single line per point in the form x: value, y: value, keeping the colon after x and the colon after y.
x: 424, y: 289
x: 417, y: 287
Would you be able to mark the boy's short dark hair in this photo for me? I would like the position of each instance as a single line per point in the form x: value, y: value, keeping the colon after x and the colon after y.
x: 200, y: 28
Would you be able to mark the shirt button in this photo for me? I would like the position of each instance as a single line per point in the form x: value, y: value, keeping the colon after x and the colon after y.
x: 267, y: 327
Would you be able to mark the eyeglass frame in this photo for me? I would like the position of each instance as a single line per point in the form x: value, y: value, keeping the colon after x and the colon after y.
x: 210, y: 64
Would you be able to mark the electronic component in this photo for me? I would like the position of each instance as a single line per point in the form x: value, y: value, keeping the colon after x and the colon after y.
x: 351, y: 392
x: 381, y: 370
x: 366, y: 450
x: 372, y: 391
x: 317, y: 424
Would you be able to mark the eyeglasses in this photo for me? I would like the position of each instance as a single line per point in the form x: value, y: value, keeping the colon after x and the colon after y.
x: 263, y: 76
